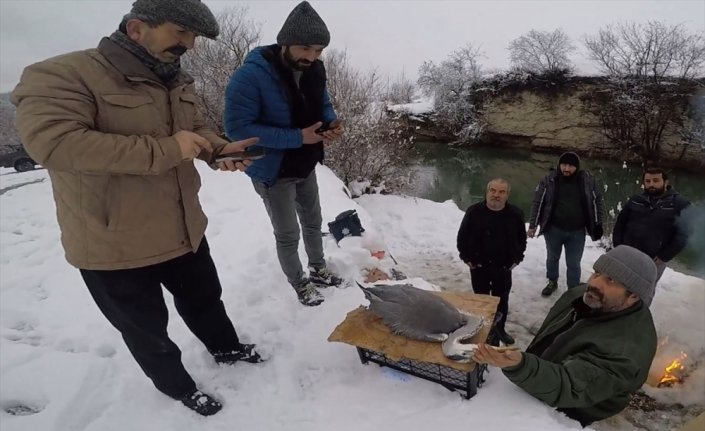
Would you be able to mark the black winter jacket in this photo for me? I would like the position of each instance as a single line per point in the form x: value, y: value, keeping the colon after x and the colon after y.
x: 544, y: 200
x: 476, y: 239
x: 653, y: 228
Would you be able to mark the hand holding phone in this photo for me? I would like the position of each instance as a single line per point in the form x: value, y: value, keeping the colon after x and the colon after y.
x: 249, y: 154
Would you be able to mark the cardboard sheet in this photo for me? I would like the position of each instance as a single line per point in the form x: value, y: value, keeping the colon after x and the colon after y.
x: 361, y: 328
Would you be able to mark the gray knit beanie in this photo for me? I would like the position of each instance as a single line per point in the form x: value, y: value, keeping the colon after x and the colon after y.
x: 192, y: 15
x: 632, y: 268
x: 303, y: 26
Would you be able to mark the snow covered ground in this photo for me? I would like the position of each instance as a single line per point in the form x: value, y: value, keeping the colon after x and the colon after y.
x: 61, y: 359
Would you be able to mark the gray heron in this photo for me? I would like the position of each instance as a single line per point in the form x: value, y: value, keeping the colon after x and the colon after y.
x: 422, y: 315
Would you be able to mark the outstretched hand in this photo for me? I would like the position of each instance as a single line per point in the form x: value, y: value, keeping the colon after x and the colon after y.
x: 486, y: 354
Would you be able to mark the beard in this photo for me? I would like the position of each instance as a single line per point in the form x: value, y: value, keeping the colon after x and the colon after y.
x: 495, y: 204
x: 595, y: 299
x: 295, y: 64
x: 654, y: 191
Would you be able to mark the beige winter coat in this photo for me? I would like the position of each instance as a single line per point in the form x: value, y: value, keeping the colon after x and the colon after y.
x: 101, y: 123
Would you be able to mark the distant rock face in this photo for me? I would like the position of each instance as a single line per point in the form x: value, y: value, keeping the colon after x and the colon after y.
x: 560, y: 120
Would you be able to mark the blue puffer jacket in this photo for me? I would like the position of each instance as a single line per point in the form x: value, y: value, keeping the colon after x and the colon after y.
x: 256, y: 105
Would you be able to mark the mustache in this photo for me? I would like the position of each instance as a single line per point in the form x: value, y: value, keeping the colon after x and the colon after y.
x: 177, y: 49
x: 595, y: 291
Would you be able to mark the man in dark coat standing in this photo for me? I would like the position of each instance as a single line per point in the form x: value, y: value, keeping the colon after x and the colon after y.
x: 651, y: 221
x: 492, y: 241
x: 567, y: 203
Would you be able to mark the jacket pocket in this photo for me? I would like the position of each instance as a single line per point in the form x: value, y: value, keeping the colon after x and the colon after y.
x: 101, y: 200
x: 127, y: 100
x: 128, y: 114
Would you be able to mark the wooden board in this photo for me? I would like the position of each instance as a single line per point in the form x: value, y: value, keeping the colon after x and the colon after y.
x: 362, y: 328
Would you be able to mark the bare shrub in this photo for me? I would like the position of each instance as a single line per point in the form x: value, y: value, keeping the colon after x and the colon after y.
x: 212, y: 62
x: 376, y: 145
x: 451, y: 83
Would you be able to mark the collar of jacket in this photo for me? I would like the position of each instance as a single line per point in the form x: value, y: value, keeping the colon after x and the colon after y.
x: 132, y: 68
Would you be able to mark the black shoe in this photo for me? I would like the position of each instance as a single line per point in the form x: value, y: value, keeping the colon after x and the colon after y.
x: 550, y: 288
x: 505, y: 338
x: 201, y: 403
x: 323, y: 277
x: 309, y: 295
x: 246, y: 353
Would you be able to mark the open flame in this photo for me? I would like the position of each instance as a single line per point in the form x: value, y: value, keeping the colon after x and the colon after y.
x: 674, y: 372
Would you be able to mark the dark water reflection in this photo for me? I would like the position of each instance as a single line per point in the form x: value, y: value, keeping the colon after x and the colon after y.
x: 444, y: 173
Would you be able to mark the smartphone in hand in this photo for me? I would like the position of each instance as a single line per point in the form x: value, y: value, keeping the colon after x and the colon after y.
x: 250, y: 154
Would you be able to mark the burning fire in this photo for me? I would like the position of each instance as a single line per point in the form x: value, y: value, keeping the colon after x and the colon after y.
x: 674, y: 372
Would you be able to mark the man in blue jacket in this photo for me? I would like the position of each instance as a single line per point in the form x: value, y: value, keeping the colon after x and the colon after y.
x: 651, y: 221
x: 279, y: 95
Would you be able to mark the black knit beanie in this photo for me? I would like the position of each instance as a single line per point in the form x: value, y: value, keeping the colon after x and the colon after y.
x: 569, y: 158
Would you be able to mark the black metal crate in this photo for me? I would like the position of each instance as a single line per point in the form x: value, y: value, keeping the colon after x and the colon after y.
x: 455, y: 380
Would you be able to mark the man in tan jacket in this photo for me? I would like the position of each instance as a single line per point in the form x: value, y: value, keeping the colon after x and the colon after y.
x: 117, y: 128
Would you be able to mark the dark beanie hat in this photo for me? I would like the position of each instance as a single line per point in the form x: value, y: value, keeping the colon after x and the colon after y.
x: 192, y: 15
x: 303, y: 26
x: 570, y: 158
x: 632, y: 268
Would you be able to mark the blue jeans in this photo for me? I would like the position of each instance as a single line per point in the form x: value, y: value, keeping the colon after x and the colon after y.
x: 574, y: 242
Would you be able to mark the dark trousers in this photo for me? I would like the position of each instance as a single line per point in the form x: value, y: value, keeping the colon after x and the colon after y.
x: 495, y: 281
x: 132, y: 301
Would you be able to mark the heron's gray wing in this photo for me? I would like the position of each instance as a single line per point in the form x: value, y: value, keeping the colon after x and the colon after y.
x: 412, y: 310
x: 398, y: 318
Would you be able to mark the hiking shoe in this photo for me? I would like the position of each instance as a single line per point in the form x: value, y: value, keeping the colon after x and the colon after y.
x: 201, y: 403
x: 550, y: 288
x: 246, y: 353
x: 309, y: 295
x: 323, y: 277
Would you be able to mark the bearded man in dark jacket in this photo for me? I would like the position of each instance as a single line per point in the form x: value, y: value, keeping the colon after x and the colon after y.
x: 651, y: 221
x: 596, y: 345
x: 567, y: 203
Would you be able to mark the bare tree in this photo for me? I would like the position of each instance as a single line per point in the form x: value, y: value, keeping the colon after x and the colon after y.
x: 451, y: 85
x: 401, y: 90
x: 648, y: 50
x: 376, y: 145
x: 212, y: 62
x: 541, y: 51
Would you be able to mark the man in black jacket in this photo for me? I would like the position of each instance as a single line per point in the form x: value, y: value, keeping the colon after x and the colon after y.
x: 492, y: 241
x: 567, y: 202
x: 650, y: 221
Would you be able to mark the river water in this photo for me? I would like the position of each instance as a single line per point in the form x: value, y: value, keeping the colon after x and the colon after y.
x: 442, y: 172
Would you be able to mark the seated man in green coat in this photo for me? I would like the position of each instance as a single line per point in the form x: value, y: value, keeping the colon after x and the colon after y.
x: 596, y: 345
